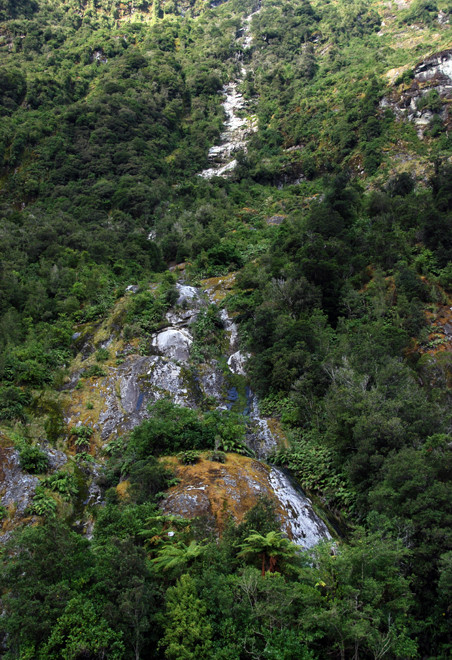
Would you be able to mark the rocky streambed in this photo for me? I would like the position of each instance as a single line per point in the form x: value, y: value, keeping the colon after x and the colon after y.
x: 173, y: 370
x: 117, y: 399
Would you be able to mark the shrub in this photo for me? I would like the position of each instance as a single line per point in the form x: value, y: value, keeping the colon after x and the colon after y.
x: 102, y: 354
x: 94, y: 371
x: 33, y: 459
x: 43, y: 504
x: 83, y: 434
x: 62, y: 483
x: 188, y: 457
x: 12, y: 402
x: 217, y: 456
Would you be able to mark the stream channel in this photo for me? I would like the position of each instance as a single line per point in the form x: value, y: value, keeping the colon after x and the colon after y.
x: 238, y: 125
x: 306, y: 527
x: 231, y: 391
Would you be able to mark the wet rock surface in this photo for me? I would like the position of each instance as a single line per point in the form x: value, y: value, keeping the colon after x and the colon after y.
x: 305, y: 527
x: 17, y: 487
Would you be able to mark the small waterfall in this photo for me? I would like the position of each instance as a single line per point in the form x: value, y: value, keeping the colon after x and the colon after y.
x: 262, y: 440
x: 300, y: 520
x: 305, y: 526
x: 237, y: 129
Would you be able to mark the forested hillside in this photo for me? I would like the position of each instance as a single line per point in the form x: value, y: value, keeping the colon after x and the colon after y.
x: 225, y: 255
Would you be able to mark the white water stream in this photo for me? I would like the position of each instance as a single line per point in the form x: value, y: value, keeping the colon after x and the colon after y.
x: 238, y: 126
x: 307, y: 528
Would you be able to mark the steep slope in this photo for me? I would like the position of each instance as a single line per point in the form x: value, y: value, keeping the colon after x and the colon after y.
x: 225, y: 264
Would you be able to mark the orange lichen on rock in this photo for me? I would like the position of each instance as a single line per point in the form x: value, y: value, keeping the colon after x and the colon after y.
x: 217, y: 288
x: 219, y: 490
x: 276, y: 430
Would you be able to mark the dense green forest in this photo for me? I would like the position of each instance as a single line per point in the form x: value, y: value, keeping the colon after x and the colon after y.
x: 336, y: 222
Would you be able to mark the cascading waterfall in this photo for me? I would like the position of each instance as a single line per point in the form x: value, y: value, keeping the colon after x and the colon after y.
x: 237, y: 129
x: 307, y: 528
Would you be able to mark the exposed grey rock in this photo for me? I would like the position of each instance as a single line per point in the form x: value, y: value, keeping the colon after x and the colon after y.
x: 237, y: 362
x: 231, y: 329
x: 174, y: 343
x: 193, y: 499
x: 56, y: 458
x: 211, y: 380
x: 187, y: 294
x: 433, y: 73
x: 99, y: 56
x: 187, y: 307
x: 181, y: 317
x: 17, y: 487
x: 130, y: 388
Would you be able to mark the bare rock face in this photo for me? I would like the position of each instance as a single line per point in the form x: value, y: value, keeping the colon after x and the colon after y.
x: 118, y: 401
x: 174, y: 343
x: 237, y: 362
x: 120, y: 398
x: 434, y: 74
x: 187, y: 307
x: 135, y: 384
x: 17, y: 487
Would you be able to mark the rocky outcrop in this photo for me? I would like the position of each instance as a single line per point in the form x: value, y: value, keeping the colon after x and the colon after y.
x: 428, y: 94
x: 218, y: 491
x: 17, y: 487
x: 115, y: 399
x: 118, y: 401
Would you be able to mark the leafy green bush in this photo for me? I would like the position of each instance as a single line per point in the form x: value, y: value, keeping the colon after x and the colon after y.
x: 217, y: 456
x: 430, y: 101
x: 82, y: 457
x: 83, y: 434
x: 207, y: 335
x: 313, y: 465
x: 188, y: 457
x: 149, y: 478
x: 102, y: 354
x: 170, y: 428
x: 13, y: 401
x: 32, y: 459
x: 94, y: 371
x: 63, y: 483
x: 43, y: 504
